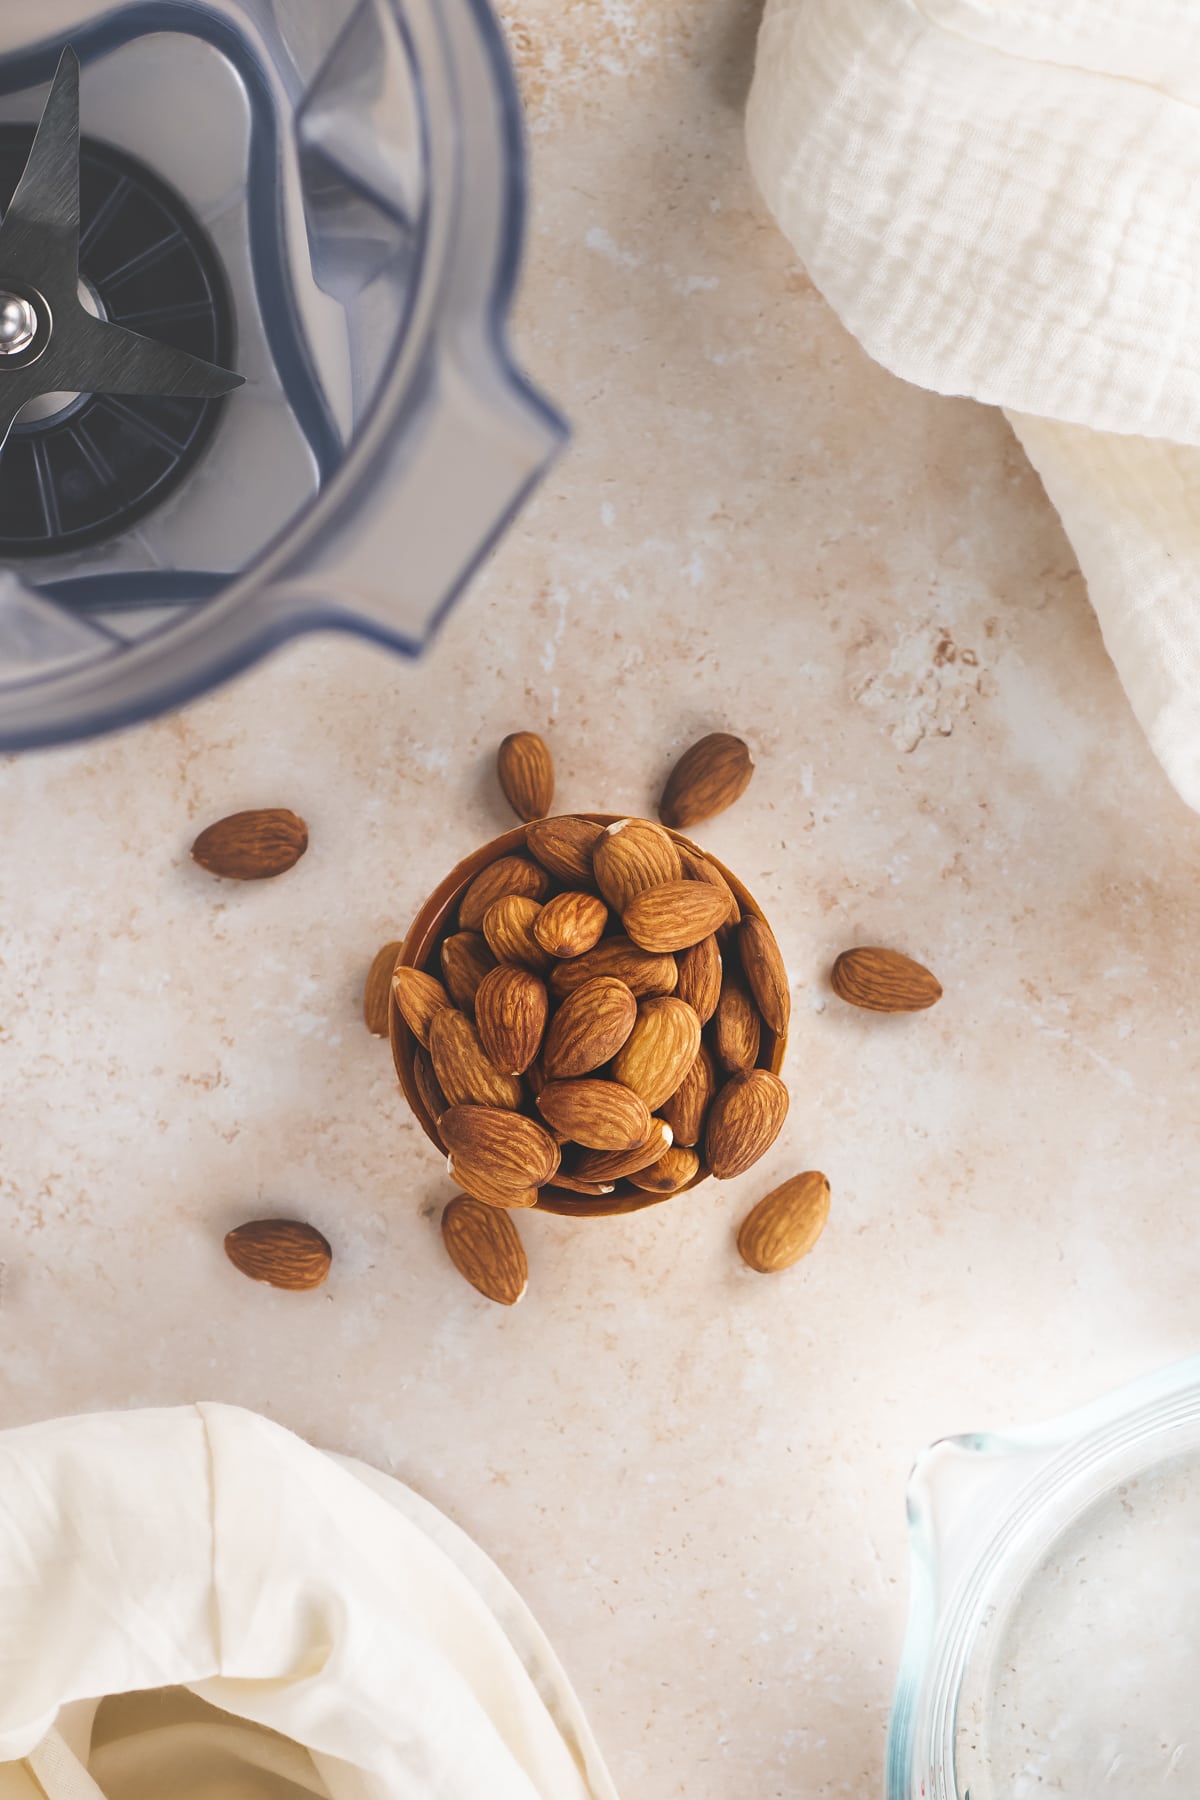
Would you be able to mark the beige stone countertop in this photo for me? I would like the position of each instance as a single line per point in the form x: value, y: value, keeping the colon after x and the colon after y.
x: 694, y: 1474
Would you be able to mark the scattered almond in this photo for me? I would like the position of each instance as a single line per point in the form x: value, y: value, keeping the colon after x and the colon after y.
x: 589, y: 1027
x: 745, y: 1118
x: 508, y: 926
x: 485, y: 1247
x: 786, y: 1224
x: 466, y: 959
x: 671, y: 1172
x: 418, y: 997
x: 737, y: 1031
x: 526, y: 772
x: 564, y: 846
x: 687, y: 1107
x: 377, y: 990
x: 708, y: 777
x: 641, y: 972
x: 601, y: 1115
x: 570, y: 924
x: 282, y: 1252
x: 765, y: 973
x: 884, y: 981
x: 507, y: 875
x: 631, y: 857
x: 513, y: 1152
x: 465, y: 1073
x: 251, y: 846
x: 700, y: 975
x: 674, y: 916
x: 659, y: 1050
x: 616, y: 1165
x: 511, y: 1009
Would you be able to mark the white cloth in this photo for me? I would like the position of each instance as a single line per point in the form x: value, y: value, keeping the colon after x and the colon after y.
x: 195, y: 1603
x: 1001, y: 198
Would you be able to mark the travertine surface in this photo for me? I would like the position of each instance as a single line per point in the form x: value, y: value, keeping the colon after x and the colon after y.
x: 695, y: 1474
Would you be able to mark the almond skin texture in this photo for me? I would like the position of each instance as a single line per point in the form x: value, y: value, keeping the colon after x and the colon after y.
x: 595, y: 1190
x: 700, y: 978
x: 589, y: 1027
x: 513, y: 1152
x: 737, y: 1031
x: 465, y: 1073
x: 564, y: 846
x: 698, y: 868
x: 659, y: 1050
x: 602, y: 1115
x: 765, y: 973
x: 475, y: 1179
x: 708, y: 777
x: 884, y: 981
x: 687, y: 1108
x: 251, y: 846
x: 744, y: 1120
x: 508, y: 927
x: 418, y: 997
x: 283, y: 1252
x: 377, y: 990
x: 570, y: 924
x: 670, y: 1173
x: 785, y: 1224
x: 634, y: 855
x: 674, y: 916
x: 616, y: 956
x: 615, y: 1165
x: 432, y: 1097
x: 485, y: 1248
x: 511, y: 1009
x: 526, y: 771
x: 465, y: 959
x: 507, y: 875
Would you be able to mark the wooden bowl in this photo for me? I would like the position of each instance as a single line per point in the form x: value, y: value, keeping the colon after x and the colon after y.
x: 438, y: 917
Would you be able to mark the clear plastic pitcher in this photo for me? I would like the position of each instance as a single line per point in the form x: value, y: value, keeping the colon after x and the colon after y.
x: 326, y: 196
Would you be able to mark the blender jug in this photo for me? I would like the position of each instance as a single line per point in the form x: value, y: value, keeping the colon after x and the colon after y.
x: 326, y: 197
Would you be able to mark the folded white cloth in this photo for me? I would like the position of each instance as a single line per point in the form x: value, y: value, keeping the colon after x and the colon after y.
x: 999, y: 198
x: 195, y: 1603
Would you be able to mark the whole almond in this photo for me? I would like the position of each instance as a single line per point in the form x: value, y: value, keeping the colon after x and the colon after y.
x: 616, y: 956
x: 634, y: 855
x: 475, y: 1179
x: 570, y: 924
x: 615, y: 1165
x: 884, y: 981
x: 486, y: 1249
x: 508, y: 927
x: 671, y: 1172
x: 251, y: 846
x: 745, y: 1118
x: 431, y: 1095
x: 659, y: 1050
x: 701, y: 868
x: 687, y: 1108
x: 785, y: 1224
x: 526, y: 771
x: 708, y: 777
x: 465, y: 960
x: 589, y: 1027
x: 700, y: 977
x: 283, y: 1252
x: 466, y: 1074
x: 737, y: 1032
x: 602, y: 1115
x: 512, y: 1151
x: 511, y: 1009
x: 765, y: 973
x: 564, y: 847
x: 674, y: 916
x: 418, y: 997
x: 377, y: 990
x: 507, y: 875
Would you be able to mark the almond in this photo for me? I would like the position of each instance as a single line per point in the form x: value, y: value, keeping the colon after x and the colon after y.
x: 786, y: 1224
x: 745, y: 1118
x: 685, y: 1111
x: 765, y: 973
x: 465, y: 1074
x: 884, y: 981
x: 511, y: 1151
x: 595, y: 1190
x: 251, y: 846
x: 508, y: 927
x: 700, y: 868
x: 486, y: 1249
x: 615, y: 1165
x: 659, y: 1050
x: 570, y: 924
x: 431, y: 1095
x: 737, y: 1030
x: 511, y: 1008
x: 708, y: 777
x: 700, y: 977
x: 526, y: 771
x: 418, y: 997
x: 670, y: 1173
x: 589, y: 1027
x: 602, y: 1115
x: 283, y: 1252
x: 377, y: 990
x: 465, y: 959
x: 616, y: 956
x: 674, y: 915
x: 634, y: 855
x: 475, y: 1180
x: 564, y: 846
x: 507, y: 875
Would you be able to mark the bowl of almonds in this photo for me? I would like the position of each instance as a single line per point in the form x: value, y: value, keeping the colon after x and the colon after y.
x: 589, y: 1016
